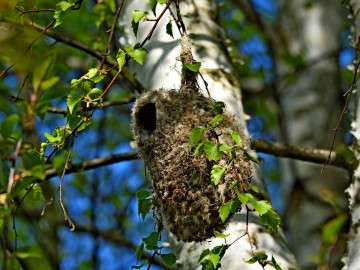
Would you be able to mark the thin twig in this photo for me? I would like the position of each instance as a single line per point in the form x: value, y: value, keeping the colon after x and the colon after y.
x: 66, y: 216
x: 347, y: 94
x: 111, y: 35
x: 157, y: 20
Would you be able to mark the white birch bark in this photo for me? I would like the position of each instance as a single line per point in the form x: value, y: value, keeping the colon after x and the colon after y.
x: 161, y: 70
x: 310, y: 109
x: 351, y: 259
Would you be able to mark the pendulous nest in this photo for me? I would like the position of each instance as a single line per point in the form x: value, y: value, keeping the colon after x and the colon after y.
x: 183, y: 194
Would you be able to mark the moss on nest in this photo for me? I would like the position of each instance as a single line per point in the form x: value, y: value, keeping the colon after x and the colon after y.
x: 183, y: 194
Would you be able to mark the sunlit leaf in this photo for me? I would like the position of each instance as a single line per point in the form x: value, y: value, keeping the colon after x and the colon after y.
x: 220, y: 235
x: 228, y: 208
x: 212, y: 150
x: 215, y: 122
x: 260, y: 256
x: 195, y: 67
x: 153, y: 4
x: 120, y: 58
x: 211, y: 259
x: 137, y: 15
x: 271, y: 220
x: 137, y: 54
x: 73, y: 99
x: 195, y: 136
x: 236, y: 137
x: 217, y: 173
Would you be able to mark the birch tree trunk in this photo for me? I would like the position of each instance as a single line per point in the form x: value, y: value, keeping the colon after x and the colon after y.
x: 162, y: 70
x: 352, y: 258
x: 311, y: 106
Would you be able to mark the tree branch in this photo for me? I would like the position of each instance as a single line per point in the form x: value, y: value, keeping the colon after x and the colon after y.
x: 94, y: 163
x: 317, y: 156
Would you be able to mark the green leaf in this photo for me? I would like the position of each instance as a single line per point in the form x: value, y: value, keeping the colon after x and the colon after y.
x: 261, y: 256
x: 95, y: 93
x: 137, y: 15
x: 330, y: 231
x: 7, y: 127
x: 40, y: 71
x: 91, y: 73
x: 217, y: 173
x: 254, y: 188
x: 137, y: 54
x: 195, y: 67
x: 142, y: 194
x: 220, y: 235
x: 198, y: 149
x: 151, y: 241
x: 153, y: 4
x: 64, y: 5
x: 271, y: 220
x: 37, y: 194
x: 135, y: 27
x: 26, y: 252
x: 169, y: 30
x: 78, y: 122
x: 144, y: 207
x: 73, y: 99
x: 261, y: 207
x: 60, y: 12
x: 228, y: 208
x: 252, y: 158
x: 215, y: 122
x: 38, y: 171
x: 49, y: 83
x: 211, y: 259
x: 195, y: 136
x: 218, y: 107
x: 244, y: 197
x: 139, y: 251
x: 226, y: 148
x: 236, y: 137
x: 169, y: 258
x: 233, y: 185
x: 140, y: 266
x: 162, y: 1
x: 275, y: 264
x: 121, y: 58
x: 212, y: 150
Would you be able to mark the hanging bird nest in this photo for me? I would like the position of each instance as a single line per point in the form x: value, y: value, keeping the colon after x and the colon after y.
x: 184, y: 197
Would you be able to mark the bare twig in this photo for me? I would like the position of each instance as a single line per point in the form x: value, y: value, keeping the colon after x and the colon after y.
x: 157, y: 20
x: 347, y: 94
x: 111, y: 35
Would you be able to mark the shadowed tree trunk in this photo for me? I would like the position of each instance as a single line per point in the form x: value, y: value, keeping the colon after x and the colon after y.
x: 310, y: 103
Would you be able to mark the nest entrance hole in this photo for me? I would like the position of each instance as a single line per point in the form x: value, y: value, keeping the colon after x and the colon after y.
x: 146, y: 117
